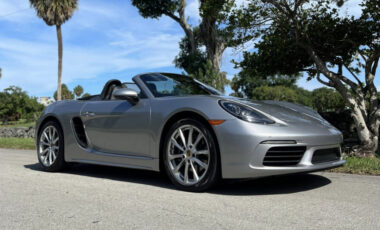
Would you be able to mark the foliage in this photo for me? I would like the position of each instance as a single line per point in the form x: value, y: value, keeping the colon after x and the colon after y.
x: 54, y: 12
x: 336, y: 41
x: 208, y: 75
x: 208, y: 40
x: 326, y: 99
x: 342, y: 120
x: 315, y: 38
x: 321, y: 99
x: 283, y: 93
x: 156, y: 8
x: 190, y: 60
x: 66, y: 93
x: 198, y: 66
x: 16, y: 104
x: 78, y: 90
x: 17, y: 143
x: 280, y: 93
x: 251, y: 77
x: 86, y: 95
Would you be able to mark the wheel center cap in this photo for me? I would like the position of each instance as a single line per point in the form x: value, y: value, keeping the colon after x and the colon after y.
x: 188, y: 153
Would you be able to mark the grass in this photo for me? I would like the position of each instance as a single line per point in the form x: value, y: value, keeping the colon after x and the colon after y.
x: 20, y: 123
x: 360, y: 165
x: 17, y: 143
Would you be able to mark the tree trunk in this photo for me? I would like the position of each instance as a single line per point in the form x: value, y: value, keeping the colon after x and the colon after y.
x: 186, y: 27
x: 215, y: 54
x: 181, y: 20
x: 368, y: 138
x: 190, y: 35
x: 367, y: 129
x: 59, y: 37
x: 215, y: 45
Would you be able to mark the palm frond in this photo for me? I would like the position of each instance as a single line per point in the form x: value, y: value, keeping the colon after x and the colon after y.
x: 54, y: 12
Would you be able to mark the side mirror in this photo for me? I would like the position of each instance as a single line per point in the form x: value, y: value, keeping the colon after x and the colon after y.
x: 126, y: 94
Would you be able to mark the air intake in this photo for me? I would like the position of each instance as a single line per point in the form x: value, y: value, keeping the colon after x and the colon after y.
x: 284, y: 156
x: 79, y: 132
x: 325, y: 155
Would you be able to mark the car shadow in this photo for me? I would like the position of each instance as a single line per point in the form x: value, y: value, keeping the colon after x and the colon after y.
x: 275, y: 185
x: 264, y: 186
x: 114, y: 173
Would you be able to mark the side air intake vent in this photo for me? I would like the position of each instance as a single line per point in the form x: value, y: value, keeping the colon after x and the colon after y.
x: 284, y: 156
x: 325, y: 155
x: 79, y: 132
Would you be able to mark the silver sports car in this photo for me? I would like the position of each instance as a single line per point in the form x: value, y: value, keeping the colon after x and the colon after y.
x: 174, y: 123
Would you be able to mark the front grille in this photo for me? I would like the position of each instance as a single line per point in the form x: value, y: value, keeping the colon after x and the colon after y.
x: 325, y: 155
x: 284, y: 156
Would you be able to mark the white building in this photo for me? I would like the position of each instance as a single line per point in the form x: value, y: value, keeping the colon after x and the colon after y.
x: 46, y: 101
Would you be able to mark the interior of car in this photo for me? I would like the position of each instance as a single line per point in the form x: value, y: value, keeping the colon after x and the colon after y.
x: 108, y: 90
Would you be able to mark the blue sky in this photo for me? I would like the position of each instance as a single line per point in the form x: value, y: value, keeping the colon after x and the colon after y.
x: 103, y: 40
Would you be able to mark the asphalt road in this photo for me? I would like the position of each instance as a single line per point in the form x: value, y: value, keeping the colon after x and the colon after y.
x: 98, y: 197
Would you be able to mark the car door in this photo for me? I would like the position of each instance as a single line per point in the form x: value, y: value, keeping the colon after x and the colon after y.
x: 116, y: 126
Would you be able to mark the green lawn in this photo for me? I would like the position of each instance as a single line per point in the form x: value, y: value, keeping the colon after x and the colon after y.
x: 20, y: 123
x: 17, y: 143
x: 360, y: 165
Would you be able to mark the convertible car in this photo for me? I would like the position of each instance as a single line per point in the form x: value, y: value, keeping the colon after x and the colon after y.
x: 176, y: 124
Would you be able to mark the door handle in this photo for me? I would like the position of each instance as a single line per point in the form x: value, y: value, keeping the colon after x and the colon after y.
x: 89, y: 114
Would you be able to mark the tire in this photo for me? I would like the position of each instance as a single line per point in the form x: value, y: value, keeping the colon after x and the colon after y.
x: 184, y: 156
x: 50, y: 150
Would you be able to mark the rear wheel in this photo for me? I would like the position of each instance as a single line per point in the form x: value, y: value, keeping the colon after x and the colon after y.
x: 50, y: 147
x: 190, y: 157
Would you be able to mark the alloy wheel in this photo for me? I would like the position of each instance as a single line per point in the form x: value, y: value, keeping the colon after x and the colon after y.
x: 48, y: 146
x: 188, y: 155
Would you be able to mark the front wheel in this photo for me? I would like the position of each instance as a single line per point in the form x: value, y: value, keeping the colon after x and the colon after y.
x: 190, y: 157
x: 50, y: 147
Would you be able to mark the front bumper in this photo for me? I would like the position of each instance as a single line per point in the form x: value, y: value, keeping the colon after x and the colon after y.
x: 242, y: 152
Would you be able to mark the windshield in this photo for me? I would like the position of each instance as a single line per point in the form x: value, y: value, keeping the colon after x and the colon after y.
x: 165, y: 85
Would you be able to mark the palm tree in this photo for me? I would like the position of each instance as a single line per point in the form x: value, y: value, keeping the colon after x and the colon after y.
x: 56, y: 12
x: 78, y: 90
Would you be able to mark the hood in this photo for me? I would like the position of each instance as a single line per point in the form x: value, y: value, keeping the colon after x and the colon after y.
x: 287, y: 112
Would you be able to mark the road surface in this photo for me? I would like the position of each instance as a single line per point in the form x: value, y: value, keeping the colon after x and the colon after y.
x: 98, y: 197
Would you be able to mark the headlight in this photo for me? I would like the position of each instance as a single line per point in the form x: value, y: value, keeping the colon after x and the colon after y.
x: 245, y: 113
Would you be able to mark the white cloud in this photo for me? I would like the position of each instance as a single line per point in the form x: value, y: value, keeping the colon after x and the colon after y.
x: 352, y: 8
x: 101, y: 38
x: 241, y: 2
x: 16, y: 11
x: 33, y: 65
x: 192, y: 10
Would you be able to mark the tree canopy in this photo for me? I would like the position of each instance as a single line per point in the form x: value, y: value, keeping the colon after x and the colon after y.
x: 204, y: 44
x: 66, y: 93
x: 16, y: 104
x: 78, y: 90
x: 54, y: 12
x: 327, y: 100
